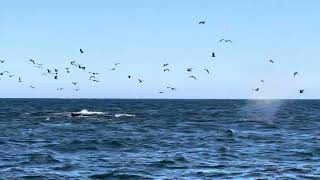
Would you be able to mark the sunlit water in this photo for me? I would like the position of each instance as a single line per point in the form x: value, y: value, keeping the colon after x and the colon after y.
x: 159, y: 139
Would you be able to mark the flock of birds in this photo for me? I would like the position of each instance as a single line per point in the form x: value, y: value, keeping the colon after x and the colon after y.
x: 94, y: 75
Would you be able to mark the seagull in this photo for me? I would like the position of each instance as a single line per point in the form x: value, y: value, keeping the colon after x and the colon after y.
x: 225, y: 40
x: 189, y: 69
x: 95, y: 80
x: 74, y: 83
x: 20, y: 79
x: 295, y: 73
x: 202, y: 22
x: 92, y: 77
x: 206, y: 70
x: 193, y: 77
x: 301, y: 91
x: 161, y: 92
x: 140, y: 80
x: 11, y: 75
x: 31, y: 60
x: 257, y: 89
x: 113, y: 69
x: 76, y: 89
x: 39, y: 64
x: 56, y: 77
x: 49, y: 71
x: 2, y: 61
x: 59, y: 89
x: 116, y: 64
x: 94, y: 73
x: 129, y: 77
x: 166, y: 70
x: 81, y: 51
x: 262, y: 81
x: 166, y: 64
x: 32, y: 87
x: 271, y: 61
x: 72, y: 62
x: 68, y: 70
x: 213, y: 55
x: 172, y: 88
x: 56, y: 70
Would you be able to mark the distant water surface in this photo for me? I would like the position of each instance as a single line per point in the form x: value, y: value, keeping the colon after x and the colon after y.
x: 159, y: 139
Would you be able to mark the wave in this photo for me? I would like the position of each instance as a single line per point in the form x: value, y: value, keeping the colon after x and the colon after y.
x: 87, y: 113
x: 124, y: 115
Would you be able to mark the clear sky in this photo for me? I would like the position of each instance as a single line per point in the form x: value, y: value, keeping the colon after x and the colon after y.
x: 144, y: 34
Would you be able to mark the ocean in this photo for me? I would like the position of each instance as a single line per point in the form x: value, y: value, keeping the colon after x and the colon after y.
x: 159, y: 139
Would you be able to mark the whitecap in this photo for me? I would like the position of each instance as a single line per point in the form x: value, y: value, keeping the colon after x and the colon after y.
x: 124, y: 115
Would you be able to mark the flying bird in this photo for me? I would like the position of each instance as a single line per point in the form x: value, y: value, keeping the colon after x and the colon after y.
x: 2, y: 61
x: 20, y: 80
x: 32, y: 87
x: 76, y: 89
x: 295, y: 73
x: 193, y: 77
x: 59, y: 89
x: 206, y: 70
x: 202, y: 22
x: 161, y: 92
x: 262, y: 81
x: 301, y: 91
x: 31, y: 60
x: 56, y: 77
x: 271, y: 61
x: 213, y: 55
x: 129, y: 77
x: 225, y: 40
x: 81, y: 51
x: 257, y: 89
x: 74, y: 83
x: 166, y: 70
x: 113, y: 69
x: 166, y: 64
x: 116, y: 64
x: 189, y: 69
x: 172, y: 88
x: 140, y: 80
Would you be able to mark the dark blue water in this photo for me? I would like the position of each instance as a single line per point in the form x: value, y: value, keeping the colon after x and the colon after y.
x: 159, y: 139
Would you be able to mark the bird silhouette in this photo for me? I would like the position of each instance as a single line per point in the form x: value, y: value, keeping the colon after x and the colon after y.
x: 189, y: 69
x: 202, y: 22
x: 31, y: 60
x: 81, y: 51
x: 257, y: 89
x: 166, y: 70
x: 74, y: 83
x: 140, y: 80
x: 2, y: 61
x: 166, y: 64
x: 193, y: 77
x: 301, y: 91
x: 213, y: 54
x: 129, y: 77
x: 295, y: 73
x: 20, y: 80
x: 271, y: 61
x: 206, y: 70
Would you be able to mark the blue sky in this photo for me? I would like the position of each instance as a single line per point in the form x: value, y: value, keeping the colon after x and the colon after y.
x: 142, y: 35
